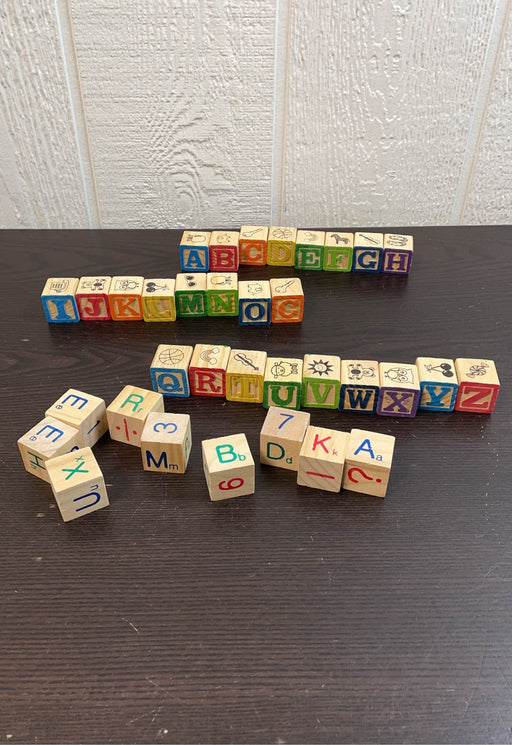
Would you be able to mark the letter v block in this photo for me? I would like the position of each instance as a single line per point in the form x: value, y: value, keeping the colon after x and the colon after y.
x: 128, y: 412
x: 478, y: 385
x: 399, y: 389
x: 321, y: 459
x: 321, y: 381
x: 281, y: 437
x: 166, y: 442
x: 77, y: 484
x: 368, y: 462
x: 228, y: 467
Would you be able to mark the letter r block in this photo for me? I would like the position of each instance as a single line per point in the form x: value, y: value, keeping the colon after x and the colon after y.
x: 228, y: 467
x: 128, y: 412
x: 207, y: 372
x: 281, y: 437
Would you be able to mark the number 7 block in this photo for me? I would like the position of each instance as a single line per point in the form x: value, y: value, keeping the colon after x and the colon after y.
x: 281, y: 437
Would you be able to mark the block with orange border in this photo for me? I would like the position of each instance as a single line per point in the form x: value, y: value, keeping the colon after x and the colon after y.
x: 125, y: 298
x: 253, y: 244
x: 287, y: 297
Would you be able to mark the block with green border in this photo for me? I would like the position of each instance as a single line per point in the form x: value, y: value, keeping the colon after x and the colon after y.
x: 338, y: 252
x: 309, y: 252
x: 222, y: 293
x: 321, y: 380
x: 282, y: 384
x: 190, y: 295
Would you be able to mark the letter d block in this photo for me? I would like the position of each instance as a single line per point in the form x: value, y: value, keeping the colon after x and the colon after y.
x: 228, y: 467
x: 368, y: 462
x: 58, y: 298
x: 281, y: 437
x: 169, y: 370
x: 166, y: 442
x: 77, y: 484
x: 86, y: 413
x: 321, y: 458
x: 47, y: 439
x: 281, y: 246
x: 128, y: 412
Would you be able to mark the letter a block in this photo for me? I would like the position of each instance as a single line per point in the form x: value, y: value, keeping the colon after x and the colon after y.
x: 194, y: 251
x: 125, y: 298
x: 86, y: 413
x: 368, y: 462
x: 244, y: 376
x: 479, y: 385
x: 438, y: 382
x: 399, y: 389
x: 398, y: 252
x: 128, y: 412
x: 282, y: 385
x: 169, y: 370
x: 359, y: 386
x: 287, y: 300
x: 253, y: 244
x: 158, y: 301
x: 77, y: 484
x: 338, y: 252
x: 321, y: 381
x: 45, y: 440
x: 281, y: 437
x: 368, y: 248
x: 321, y: 459
x: 166, y: 442
x: 58, y: 298
x: 228, y: 467
x: 281, y: 246
x: 92, y: 298
x: 207, y: 372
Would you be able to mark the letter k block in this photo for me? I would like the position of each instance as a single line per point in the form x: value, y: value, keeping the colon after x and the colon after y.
x: 321, y: 459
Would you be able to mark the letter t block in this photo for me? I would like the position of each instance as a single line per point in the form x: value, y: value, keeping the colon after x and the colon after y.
x: 228, y: 467
x: 281, y: 437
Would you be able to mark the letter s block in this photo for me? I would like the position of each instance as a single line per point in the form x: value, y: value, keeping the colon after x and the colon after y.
x: 77, y: 484
x: 166, y: 442
x: 228, y: 467
x: 281, y: 437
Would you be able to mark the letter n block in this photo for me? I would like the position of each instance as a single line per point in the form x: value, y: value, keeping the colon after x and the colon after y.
x: 321, y: 381
x: 338, y: 252
x: 228, y: 467
x: 58, y: 299
x: 281, y: 246
x: 310, y: 249
x: 207, y: 372
x: 479, y: 385
x: 222, y: 293
x: 282, y: 385
x: 128, y: 412
x: 399, y: 389
x: 158, y: 301
x: 190, y: 294
x: 281, y: 437
x: 125, y: 298
x: 223, y: 251
x: 92, y: 298
x: 321, y: 459
x: 254, y: 303
x: 244, y: 376
x: 77, y: 484
x: 287, y: 298
x: 194, y: 251
x: 166, y: 442
x: 398, y: 252
x: 368, y: 248
x: 252, y: 245
x: 46, y: 440
x: 438, y: 383
x: 368, y: 462
x: 86, y: 413
x: 169, y: 370
x: 360, y: 386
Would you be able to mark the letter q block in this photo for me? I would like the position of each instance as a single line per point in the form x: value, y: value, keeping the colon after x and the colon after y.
x: 77, y: 484
x: 128, y: 412
x: 281, y: 437
x: 228, y: 467
x: 166, y: 442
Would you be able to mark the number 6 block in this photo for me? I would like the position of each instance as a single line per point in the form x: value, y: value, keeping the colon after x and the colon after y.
x: 228, y: 467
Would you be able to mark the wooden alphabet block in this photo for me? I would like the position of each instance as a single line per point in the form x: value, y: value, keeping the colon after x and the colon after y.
x: 479, y: 385
x: 287, y: 298
x: 321, y: 380
x: 158, y: 301
x: 368, y: 249
x: 281, y: 437
x: 254, y: 303
x: 222, y: 293
x: 190, y: 294
x: 438, y: 383
x: 169, y: 370
x: 244, y: 375
x: 228, y: 467
x: 207, y: 372
x: 92, y: 298
x: 194, y: 251
x: 58, y: 299
x: 338, y: 252
x: 166, y: 442
x: 125, y: 298
x: 360, y: 386
x: 368, y: 462
x: 399, y: 389
x: 127, y: 413
x: 46, y: 440
x: 86, y: 413
x: 282, y: 385
x: 321, y: 458
x: 77, y: 484
x: 223, y: 251
x: 309, y: 252
x: 281, y: 246
x: 398, y: 252
x: 252, y: 244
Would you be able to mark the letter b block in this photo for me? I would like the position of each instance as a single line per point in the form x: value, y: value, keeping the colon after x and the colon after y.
x: 166, y: 442
x: 228, y: 467
x: 77, y: 483
x: 281, y: 437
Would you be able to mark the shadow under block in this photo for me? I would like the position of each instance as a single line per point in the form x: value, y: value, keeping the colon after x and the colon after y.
x: 252, y: 245
x: 166, y: 442
x: 438, y: 383
x: 158, y: 301
x: 92, y: 298
x: 281, y: 246
x: 254, y: 303
x: 398, y: 253
x: 321, y: 380
x: 125, y: 298
x: 281, y: 437
x: 228, y: 467
x: 127, y: 413
x: 321, y: 458
x: 244, y: 375
x: 368, y: 462
x: 479, y: 385
x: 338, y: 252
x: 190, y: 295
x: 399, y: 389
x: 58, y: 299
x: 223, y: 251
x: 368, y: 248
x: 169, y: 370
x: 222, y: 293
x: 360, y: 386
x: 287, y: 300
x: 309, y: 249
x: 194, y: 251
x: 77, y: 484
x: 282, y: 385
x: 207, y: 371
x: 47, y: 439
x: 86, y: 413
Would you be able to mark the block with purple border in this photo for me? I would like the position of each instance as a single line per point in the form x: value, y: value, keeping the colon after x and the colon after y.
x: 223, y: 255
x: 58, y: 298
x: 399, y: 389
x: 368, y: 248
x: 398, y: 251
x: 479, y: 385
x: 194, y: 251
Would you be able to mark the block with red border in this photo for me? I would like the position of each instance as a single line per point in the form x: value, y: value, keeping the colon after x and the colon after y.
x: 253, y: 244
x: 223, y: 251
x: 287, y: 297
x: 125, y: 298
x: 92, y: 298
x: 207, y: 371
x: 479, y: 385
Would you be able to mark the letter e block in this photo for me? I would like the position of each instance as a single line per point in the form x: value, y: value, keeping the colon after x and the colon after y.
x: 281, y: 437
x: 169, y: 370
x: 128, y: 412
x: 479, y: 385
x: 368, y: 462
x: 166, y: 442
x: 46, y: 440
x: 228, y: 467
x: 77, y: 484
x: 58, y: 299
x: 86, y: 413
x: 310, y: 249
x: 321, y: 458
x: 287, y: 300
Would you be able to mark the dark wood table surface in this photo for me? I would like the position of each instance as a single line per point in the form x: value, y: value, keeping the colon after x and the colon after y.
x: 289, y: 616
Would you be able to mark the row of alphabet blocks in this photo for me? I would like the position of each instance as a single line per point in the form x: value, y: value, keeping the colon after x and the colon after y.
x: 224, y: 250
x: 256, y: 303
x: 326, y: 381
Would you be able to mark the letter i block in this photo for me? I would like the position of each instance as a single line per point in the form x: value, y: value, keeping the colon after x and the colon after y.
x: 281, y: 437
x: 194, y: 251
x: 360, y: 386
x: 287, y: 298
x: 223, y: 251
x: 128, y: 412
x: 158, y: 301
x: 399, y: 389
x: 321, y: 381
x: 438, y: 383
x: 166, y: 442
x: 125, y: 298
x: 281, y: 246
x: 58, y: 298
x: 338, y: 252
x: 478, y: 385
x: 244, y: 376
x: 86, y: 413
x: 45, y: 440
x: 321, y: 459
x: 207, y: 372
x: 228, y: 467
x: 252, y: 244
x: 282, y: 385
x: 368, y: 462
x: 77, y: 484
x: 310, y: 249
x: 254, y: 303
x: 92, y: 298
x: 169, y: 370
x: 222, y: 293
x: 190, y: 293
x: 368, y: 248
x: 398, y: 252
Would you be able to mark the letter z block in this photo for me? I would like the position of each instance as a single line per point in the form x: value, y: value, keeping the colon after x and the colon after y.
x: 368, y: 462
x: 128, y: 412
x: 158, y: 301
x: 321, y: 458
x: 77, y: 484
x: 169, y: 370
x: 360, y: 386
x: 244, y: 375
x: 166, y: 442
x: 479, y: 385
x: 281, y: 437
x: 125, y: 298
x: 282, y: 385
x: 228, y: 467
x: 86, y: 413
x: 92, y: 298
x: 399, y: 389
x: 252, y: 244
x: 190, y: 294
x: 281, y: 246
x: 222, y: 293
x: 58, y: 299
x: 438, y: 383
x: 254, y: 303
x: 368, y: 249
x: 207, y: 372
x: 287, y: 298
x: 46, y: 440
x: 194, y: 251
x: 310, y: 249
x: 338, y: 252
x: 321, y: 381
x: 223, y: 251
x: 398, y: 252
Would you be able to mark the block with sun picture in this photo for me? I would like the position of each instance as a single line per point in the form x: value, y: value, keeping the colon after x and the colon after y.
x: 321, y: 380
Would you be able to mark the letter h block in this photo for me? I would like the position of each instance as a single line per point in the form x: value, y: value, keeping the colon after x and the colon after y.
x: 281, y: 437
x: 399, y: 389
x: 287, y: 300
x: 368, y: 249
x: 169, y: 370
x: 479, y: 385
x: 58, y: 299
x: 92, y: 298
x: 194, y: 251
x: 46, y: 440
x: 207, y: 372
x: 360, y: 386
x: 368, y: 462
x: 254, y: 303
x: 228, y: 467
x: 128, y: 412
x: 77, y: 484
x: 223, y: 251
x: 321, y: 459
x: 84, y: 412
x: 398, y: 252
x: 166, y: 442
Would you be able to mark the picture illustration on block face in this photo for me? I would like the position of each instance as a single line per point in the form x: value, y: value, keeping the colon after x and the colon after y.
x: 125, y: 284
x: 444, y: 368
x: 59, y: 286
x: 357, y: 371
x: 220, y: 281
x: 171, y: 356
x: 195, y: 238
x: 339, y: 239
x: 190, y: 280
x: 319, y: 367
x: 310, y: 236
x: 208, y: 355
x: 283, y: 369
x: 223, y: 237
x: 371, y: 240
x: 251, y: 233
x: 254, y: 288
x: 400, y: 375
x: 97, y: 284
x: 282, y: 234
x: 478, y: 370
x: 397, y: 240
x: 282, y: 288
x: 152, y: 287
x: 245, y: 360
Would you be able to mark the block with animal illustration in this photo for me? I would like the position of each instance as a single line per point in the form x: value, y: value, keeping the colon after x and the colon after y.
x: 252, y: 244
x: 77, y: 484
x: 207, y: 371
x: 322, y: 459
x: 194, y: 251
x: 166, y: 442
x: 359, y: 386
x: 222, y: 293
x: 338, y: 252
x: 84, y: 412
x: 287, y: 297
x: 438, y: 383
x: 368, y: 249
x: 244, y: 375
x: 190, y: 295
x: 223, y: 251
x: 125, y: 298
x: 321, y: 379
x: 127, y: 413
x: 282, y: 385
x: 479, y: 385
x: 158, y: 301
x: 368, y: 460
x: 309, y: 251
x: 254, y: 303
x: 281, y: 437
x: 228, y: 467
x: 399, y: 389
x: 92, y: 298
x: 169, y: 370
x: 47, y: 439
x: 398, y: 253
x: 281, y: 246
x: 58, y: 299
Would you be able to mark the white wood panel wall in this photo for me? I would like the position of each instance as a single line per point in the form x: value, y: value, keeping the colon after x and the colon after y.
x: 175, y: 113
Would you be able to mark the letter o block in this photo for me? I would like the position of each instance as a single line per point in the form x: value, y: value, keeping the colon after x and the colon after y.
x: 281, y: 437
x: 228, y: 467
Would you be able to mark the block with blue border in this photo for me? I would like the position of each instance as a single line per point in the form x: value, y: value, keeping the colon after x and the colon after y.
x: 58, y: 299
x: 194, y: 251
x: 254, y: 303
x: 169, y: 370
x: 359, y: 386
x: 438, y: 383
x: 368, y: 250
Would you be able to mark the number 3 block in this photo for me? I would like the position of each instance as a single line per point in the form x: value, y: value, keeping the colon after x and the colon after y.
x: 228, y: 467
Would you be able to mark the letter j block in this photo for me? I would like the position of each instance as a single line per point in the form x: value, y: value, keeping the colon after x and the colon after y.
x: 58, y: 298
x: 228, y: 467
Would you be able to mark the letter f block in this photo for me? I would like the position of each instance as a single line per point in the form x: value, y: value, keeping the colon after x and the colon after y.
x: 228, y: 467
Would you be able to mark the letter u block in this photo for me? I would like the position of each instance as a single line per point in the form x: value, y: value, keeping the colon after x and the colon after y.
x: 360, y: 386
x: 125, y: 298
x: 207, y: 372
x: 321, y: 459
x: 92, y: 298
x: 479, y: 385
x: 281, y: 437
x: 194, y: 251
x: 166, y: 442
x: 46, y: 440
x: 254, y: 303
x: 128, y: 412
x: 158, y: 301
x: 287, y: 298
x: 368, y: 248
x: 252, y: 245
x: 438, y: 383
x: 244, y: 375
x: 169, y: 370
x: 338, y: 252
x: 282, y: 385
x: 86, y: 413
x: 368, y: 462
x: 321, y: 381
x: 399, y: 389
x: 310, y: 249
x: 77, y: 484
x: 58, y: 299
x: 223, y: 251
x: 228, y: 467
x: 398, y: 253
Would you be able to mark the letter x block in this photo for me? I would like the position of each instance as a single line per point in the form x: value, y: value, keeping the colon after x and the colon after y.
x: 84, y: 412
x: 478, y: 385
x: 166, y: 442
x: 207, y: 372
x: 368, y: 462
x: 169, y: 370
x: 228, y: 467
x: 253, y: 244
x: 321, y: 458
x: 58, y: 298
x: 194, y: 251
x: 438, y: 381
x: 92, y: 298
x: 321, y: 381
x: 282, y: 385
x: 223, y: 251
x: 244, y: 375
x: 368, y: 248
x: 281, y: 437
x: 46, y: 440
x: 77, y: 484
x: 399, y: 389
x: 287, y: 300
x: 128, y: 412
x: 125, y: 298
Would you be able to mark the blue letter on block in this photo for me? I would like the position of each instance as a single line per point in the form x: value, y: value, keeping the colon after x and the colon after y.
x: 367, y: 259
x: 254, y: 312
x: 170, y: 382
x: 194, y: 258
x: 60, y: 308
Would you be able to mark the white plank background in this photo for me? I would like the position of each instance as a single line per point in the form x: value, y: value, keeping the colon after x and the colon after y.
x: 175, y: 113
